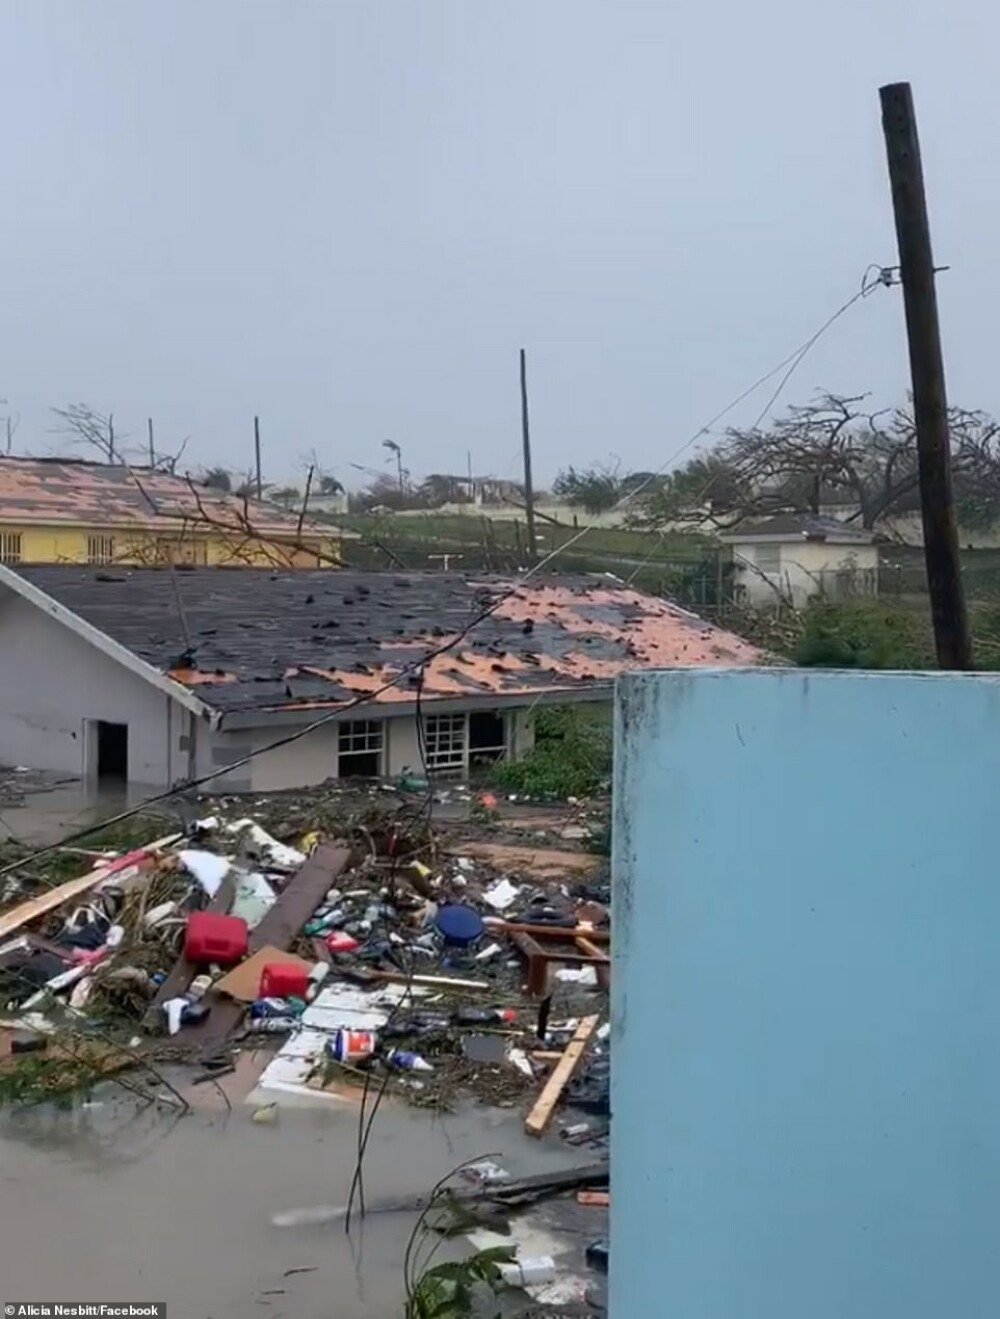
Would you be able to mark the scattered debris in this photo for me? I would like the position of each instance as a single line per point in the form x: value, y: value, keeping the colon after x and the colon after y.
x: 341, y: 923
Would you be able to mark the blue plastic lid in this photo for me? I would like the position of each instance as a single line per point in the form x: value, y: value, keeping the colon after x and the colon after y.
x: 459, y: 925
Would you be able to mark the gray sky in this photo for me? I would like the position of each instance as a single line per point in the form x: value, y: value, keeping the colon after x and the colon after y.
x: 348, y: 217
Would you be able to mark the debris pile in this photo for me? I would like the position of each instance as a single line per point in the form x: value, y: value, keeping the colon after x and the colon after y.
x: 364, y: 947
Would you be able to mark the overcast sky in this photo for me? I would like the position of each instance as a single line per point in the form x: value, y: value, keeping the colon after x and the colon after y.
x: 348, y: 217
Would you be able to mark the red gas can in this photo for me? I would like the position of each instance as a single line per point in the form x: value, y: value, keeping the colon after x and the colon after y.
x: 284, y: 980
x: 210, y: 937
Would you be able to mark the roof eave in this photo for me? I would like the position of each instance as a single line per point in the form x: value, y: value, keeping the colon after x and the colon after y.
x: 309, y: 713
x: 107, y: 645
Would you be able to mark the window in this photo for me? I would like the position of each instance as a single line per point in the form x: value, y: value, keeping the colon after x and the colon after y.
x: 100, y: 549
x: 359, y: 749
x: 10, y: 547
x: 768, y: 559
x: 446, y: 737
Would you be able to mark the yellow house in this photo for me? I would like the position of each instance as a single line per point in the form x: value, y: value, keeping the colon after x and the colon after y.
x: 57, y: 510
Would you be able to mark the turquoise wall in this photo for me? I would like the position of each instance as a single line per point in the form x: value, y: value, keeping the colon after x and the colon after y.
x: 806, y: 1001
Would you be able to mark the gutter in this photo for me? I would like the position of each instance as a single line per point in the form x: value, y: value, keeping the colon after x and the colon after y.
x: 290, y: 716
x: 107, y: 645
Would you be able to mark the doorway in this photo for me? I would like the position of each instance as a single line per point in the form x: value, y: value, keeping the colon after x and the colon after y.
x: 487, y: 738
x: 111, y: 760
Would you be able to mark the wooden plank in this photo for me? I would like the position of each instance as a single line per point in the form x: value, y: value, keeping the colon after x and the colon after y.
x: 593, y: 1199
x: 540, y: 1116
x: 599, y: 956
x: 434, y: 982
x: 43, y: 903
x: 591, y: 949
x: 566, y: 932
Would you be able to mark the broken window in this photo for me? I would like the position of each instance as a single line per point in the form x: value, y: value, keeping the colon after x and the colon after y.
x: 100, y: 549
x: 445, y: 742
x: 487, y: 737
x: 10, y: 547
x: 359, y: 749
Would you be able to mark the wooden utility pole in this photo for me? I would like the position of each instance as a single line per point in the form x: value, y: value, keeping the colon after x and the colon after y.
x: 152, y: 451
x: 529, y: 493
x: 256, y: 457
x: 930, y: 403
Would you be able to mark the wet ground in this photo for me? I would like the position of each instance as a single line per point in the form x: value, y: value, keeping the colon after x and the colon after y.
x: 104, y: 1204
x: 107, y: 1203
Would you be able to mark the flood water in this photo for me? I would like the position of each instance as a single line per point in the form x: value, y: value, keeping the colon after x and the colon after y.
x: 108, y: 1204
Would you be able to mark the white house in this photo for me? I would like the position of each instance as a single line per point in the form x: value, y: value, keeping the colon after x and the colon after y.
x: 793, y: 556
x: 156, y: 676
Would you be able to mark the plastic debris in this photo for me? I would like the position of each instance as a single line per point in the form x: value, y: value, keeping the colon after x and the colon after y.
x: 208, y: 869
x: 502, y: 895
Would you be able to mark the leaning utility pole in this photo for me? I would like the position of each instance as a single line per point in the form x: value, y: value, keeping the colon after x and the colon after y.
x: 152, y: 451
x: 256, y: 457
x: 930, y: 403
x: 529, y: 493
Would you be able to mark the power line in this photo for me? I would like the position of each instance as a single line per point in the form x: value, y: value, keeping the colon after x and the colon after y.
x: 419, y: 665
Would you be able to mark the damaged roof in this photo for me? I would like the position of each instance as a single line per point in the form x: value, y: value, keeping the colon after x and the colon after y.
x: 59, y: 490
x: 266, y: 640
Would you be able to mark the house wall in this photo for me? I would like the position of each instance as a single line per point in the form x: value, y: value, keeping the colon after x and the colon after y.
x: 806, y: 568
x: 68, y: 544
x: 313, y: 758
x: 806, y: 1078
x: 52, y: 682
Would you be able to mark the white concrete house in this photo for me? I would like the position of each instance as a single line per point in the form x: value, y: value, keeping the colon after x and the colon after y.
x: 794, y: 556
x: 157, y: 677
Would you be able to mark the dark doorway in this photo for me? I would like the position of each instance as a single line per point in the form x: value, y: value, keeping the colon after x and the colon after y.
x: 112, y: 752
x: 487, y: 738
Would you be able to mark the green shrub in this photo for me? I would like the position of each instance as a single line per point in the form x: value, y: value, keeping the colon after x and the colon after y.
x: 571, y: 756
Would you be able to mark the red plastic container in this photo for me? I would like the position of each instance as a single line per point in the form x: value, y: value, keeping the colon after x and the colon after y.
x: 210, y: 937
x: 284, y: 980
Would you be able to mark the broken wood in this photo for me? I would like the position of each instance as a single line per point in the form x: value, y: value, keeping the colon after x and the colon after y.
x: 590, y: 948
x: 569, y: 932
x: 540, y: 1116
x: 540, y: 959
x: 593, y: 1199
x: 524, y: 1190
x: 604, y: 968
x: 436, y: 982
x: 43, y: 903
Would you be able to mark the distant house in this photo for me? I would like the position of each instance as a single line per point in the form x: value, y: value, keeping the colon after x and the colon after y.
x: 793, y: 556
x: 58, y: 510
x: 156, y: 676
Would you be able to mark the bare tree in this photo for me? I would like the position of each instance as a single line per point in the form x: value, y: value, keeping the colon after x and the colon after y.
x: 830, y: 450
x: 85, y: 425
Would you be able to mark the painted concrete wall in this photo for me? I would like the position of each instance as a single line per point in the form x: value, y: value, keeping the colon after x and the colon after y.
x: 313, y: 758
x: 69, y: 544
x: 805, y: 569
x: 806, y: 998
x: 52, y: 682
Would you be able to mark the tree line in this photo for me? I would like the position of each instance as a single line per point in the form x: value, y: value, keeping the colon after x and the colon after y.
x: 830, y: 451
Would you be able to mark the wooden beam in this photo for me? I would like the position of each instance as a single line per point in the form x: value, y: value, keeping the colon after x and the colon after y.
x: 43, y: 903
x: 540, y: 1116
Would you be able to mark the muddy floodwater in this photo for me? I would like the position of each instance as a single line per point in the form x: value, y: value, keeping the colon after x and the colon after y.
x: 105, y: 1203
